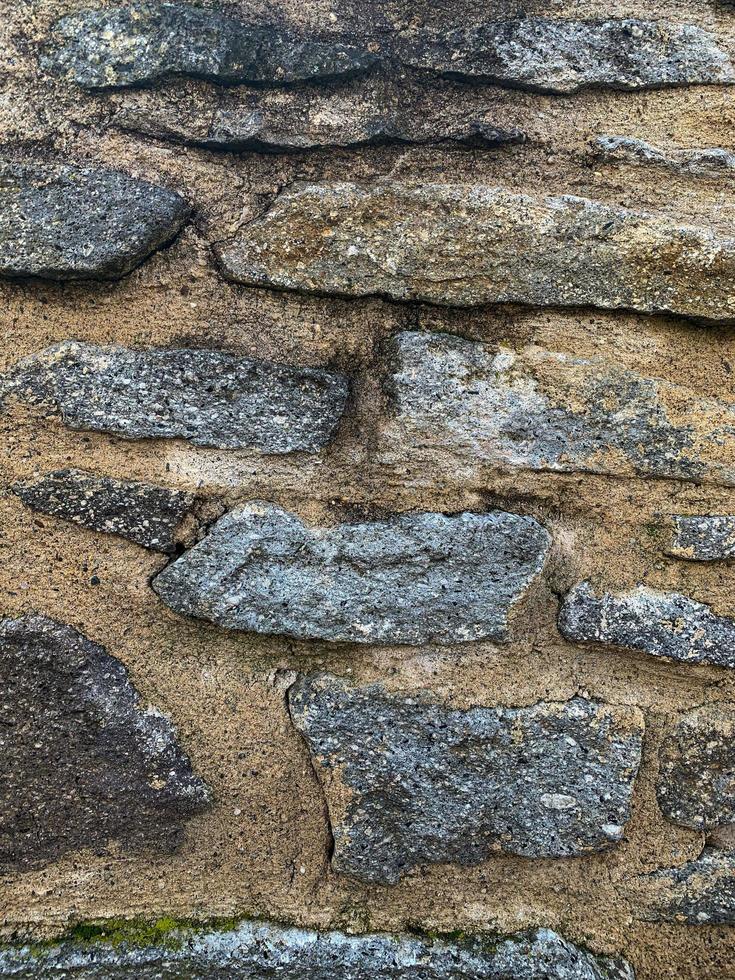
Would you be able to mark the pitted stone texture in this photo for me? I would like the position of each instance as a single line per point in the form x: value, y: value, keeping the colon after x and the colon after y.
x: 206, y: 397
x: 371, y: 111
x: 261, y: 951
x: 458, y: 407
x: 63, y: 222
x: 662, y: 624
x: 141, y: 42
x: 554, y: 55
x: 148, y: 515
x: 416, y: 578
x: 701, y: 892
x: 703, y: 538
x: 711, y: 162
x: 410, y: 782
x: 696, y: 779
x: 83, y: 762
x: 465, y: 245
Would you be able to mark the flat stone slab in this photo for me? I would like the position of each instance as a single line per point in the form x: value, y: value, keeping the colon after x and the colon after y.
x: 696, y: 775
x: 701, y: 892
x: 84, y: 762
x: 458, y: 408
x: 556, y: 55
x: 203, y: 396
x: 64, y: 222
x: 261, y: 951
x: 148, y: 515
x: 415, y: 578
x: 458, y: 245
x: 708, y: 538
x: 710, y: 162
x: 409, y: 782
x: 141, y: 42
x: 662, y: 624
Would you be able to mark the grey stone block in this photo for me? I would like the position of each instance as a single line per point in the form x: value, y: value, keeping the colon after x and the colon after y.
x: 700, y: 892
x: 415, y: 578
x: 707, y: 538
x: 710, y: 162
x: 410, y: 782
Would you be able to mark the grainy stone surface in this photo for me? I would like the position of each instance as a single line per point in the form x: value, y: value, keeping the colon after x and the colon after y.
x: 416, y: 578
x: 700, y: 892
x: 410, y: 782
x: 66, y: 222
x: 141, y: 42
x: 204, y: 396
x: 262, y: 951
x: 467, y: 245
x: 705, y: 538
x: 696, y: 777
x: 710, y: 162
x: 560, y: 55
x: 459, y: 405
x: 83, y: 762
x: 662, y: 624
x: 151, y: 516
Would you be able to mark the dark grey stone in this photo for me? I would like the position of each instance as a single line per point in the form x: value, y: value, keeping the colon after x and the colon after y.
x: 261, y: 951
x: 696, y: 776
x: 410, y: 782
x: 556, y: 55
x: 149, y: 515
x: 469, y: 245
x: 711, y: 162
x: 662, y: 624
x: 459, y: 407
x: 415, y: 578
x: 703, y: 538
x: 701, y: 892
x: 83, y: 763
x: 64, y: 222
x: 140, y: 42
x: 209, y: 398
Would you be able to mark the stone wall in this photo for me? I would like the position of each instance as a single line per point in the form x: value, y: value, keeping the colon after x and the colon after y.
x: 368, y: 489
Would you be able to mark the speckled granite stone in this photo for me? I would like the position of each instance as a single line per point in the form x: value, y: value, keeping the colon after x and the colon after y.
x: 707, y: 538
x: 710, y: 162
x: 700, y: 892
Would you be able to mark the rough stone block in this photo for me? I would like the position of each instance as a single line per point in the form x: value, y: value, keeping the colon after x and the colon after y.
x: 710, y: 162
x: 204, y: 396
x: 708, y: 538
x: 410, y: 782
x: 84, y: 763
x: 65, y: 222
x: 466, y: 245
x: 416, y: 578
x: 701, y: 892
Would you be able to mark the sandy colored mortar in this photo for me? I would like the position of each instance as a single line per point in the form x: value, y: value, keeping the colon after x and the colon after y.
x: 262, y: 849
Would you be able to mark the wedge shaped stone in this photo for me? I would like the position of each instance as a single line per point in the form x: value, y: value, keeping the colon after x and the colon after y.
x: 556, y: 55
x: 264, y: 951
x: 701, y: 892
x: 148, y: 515
x: 708, y: 538
x: 141, y: 42
x: 458, y: 407
x: 416, y: 578
x: 463, y: 245
x: 709, y: 162
x: 64, y: 222
x: 206, y: 397
x: 83, y: 762
x: 662, y: 624
x: 410, y: 782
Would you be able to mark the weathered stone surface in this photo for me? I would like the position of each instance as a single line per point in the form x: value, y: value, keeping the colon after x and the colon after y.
x: 696, y: 779
x: 416, y: 578
x: 710, y: 162
x: 701, y: 892
x: 458, y: 407
x: 662, y: 624
x: 465, y: 245
x: 64, y: 222
x: 703, y: 538
x: 555, y: 55
x: 149, y: 515
x: 261, y: 951
x: 140, y: 42
x: 373, y: 112
x: 83, y: 763
x: 207, y: 397
x: 410, y: 782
